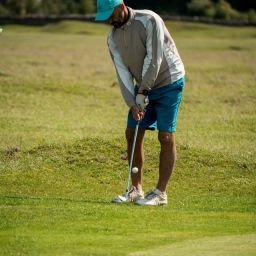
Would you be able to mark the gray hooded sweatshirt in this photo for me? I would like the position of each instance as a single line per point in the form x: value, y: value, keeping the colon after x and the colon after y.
x: 144, y: 52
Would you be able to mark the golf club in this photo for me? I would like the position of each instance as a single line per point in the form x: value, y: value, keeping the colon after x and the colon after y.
x: 131, y: 159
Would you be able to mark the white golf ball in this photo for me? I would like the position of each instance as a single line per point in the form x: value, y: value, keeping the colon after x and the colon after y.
x: 1, y: 30
x: 135, y: 169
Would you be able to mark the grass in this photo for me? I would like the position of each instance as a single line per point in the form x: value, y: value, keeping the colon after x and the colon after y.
x: 62, y: 123
x: 230, y: 245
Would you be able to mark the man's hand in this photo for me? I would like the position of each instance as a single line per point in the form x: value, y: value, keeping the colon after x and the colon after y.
x: 142, y: 101
x: 137, y: 113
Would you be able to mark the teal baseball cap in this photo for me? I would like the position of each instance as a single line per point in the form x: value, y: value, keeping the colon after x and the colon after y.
x: 105, y: 8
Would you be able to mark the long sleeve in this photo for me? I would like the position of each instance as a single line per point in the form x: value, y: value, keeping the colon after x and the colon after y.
x: 154, y: 56
x: 124, y: 76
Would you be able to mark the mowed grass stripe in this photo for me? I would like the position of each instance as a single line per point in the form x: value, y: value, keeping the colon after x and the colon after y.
x: 241, y: 245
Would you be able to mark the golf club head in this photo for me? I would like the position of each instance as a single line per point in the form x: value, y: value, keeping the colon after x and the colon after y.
x: 120, y: 199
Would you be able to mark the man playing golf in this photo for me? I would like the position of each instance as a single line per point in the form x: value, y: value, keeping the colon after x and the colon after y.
x: 142, y: 50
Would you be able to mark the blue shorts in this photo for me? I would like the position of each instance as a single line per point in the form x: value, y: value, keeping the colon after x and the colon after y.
x: 162, y: 110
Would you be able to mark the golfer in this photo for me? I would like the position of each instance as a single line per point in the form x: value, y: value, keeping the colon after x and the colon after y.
x: 143, y: 51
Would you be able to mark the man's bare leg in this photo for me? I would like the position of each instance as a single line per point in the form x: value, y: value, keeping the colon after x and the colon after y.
x: 167, y: 158
x: 138, y: 159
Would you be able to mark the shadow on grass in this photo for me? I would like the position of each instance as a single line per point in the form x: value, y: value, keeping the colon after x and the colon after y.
x: 60, y: 199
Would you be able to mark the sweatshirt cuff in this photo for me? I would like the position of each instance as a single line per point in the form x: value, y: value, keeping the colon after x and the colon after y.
x: 146, y: 86
x: 131, y: 103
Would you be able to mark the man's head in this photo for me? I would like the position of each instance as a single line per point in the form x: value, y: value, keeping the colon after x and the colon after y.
x: 112, y: 11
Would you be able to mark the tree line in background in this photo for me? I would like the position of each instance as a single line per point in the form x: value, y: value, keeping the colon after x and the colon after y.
x: 219, y: 9
x: 45, y: 7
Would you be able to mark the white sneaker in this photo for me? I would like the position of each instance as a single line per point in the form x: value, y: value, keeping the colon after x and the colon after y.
x: 154, y: 197
x: 132, y: 195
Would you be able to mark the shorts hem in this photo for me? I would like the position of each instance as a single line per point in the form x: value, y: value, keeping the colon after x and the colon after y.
x: 170, y: 131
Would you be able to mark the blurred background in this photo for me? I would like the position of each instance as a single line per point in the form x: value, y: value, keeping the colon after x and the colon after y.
x: 217, y: 9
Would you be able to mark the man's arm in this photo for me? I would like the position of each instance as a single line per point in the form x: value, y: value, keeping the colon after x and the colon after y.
x: 154, y: 57
x: 124, y: 76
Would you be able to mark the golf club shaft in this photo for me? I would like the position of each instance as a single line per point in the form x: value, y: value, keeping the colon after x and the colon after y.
x: 132, y: 154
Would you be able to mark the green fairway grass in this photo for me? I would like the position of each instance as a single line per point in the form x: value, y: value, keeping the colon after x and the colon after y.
x: 62, y: 122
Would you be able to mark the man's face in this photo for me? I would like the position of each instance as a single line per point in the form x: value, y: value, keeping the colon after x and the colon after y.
x: 117, y: 18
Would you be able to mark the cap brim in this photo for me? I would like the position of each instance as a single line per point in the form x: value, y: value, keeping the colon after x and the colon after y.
x: 101, y: 16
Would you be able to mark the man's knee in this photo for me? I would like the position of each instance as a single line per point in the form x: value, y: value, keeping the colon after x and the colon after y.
x: 166, y: 138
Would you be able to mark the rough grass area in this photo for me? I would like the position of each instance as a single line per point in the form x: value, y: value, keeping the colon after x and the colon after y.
x: 62, y: 123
